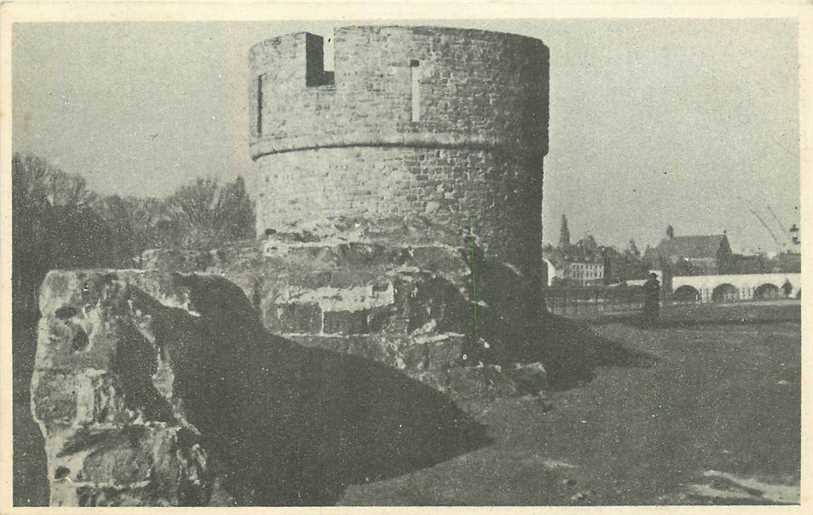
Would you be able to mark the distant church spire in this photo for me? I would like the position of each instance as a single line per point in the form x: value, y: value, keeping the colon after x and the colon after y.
x: 564, y: 234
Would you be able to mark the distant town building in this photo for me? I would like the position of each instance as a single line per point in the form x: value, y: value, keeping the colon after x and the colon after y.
x: 586, y: 271
x: 581, y: 264
x: 693, y: 255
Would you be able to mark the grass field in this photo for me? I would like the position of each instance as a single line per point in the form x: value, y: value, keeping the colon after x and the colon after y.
x: 714, y: 420
x: 712, y: 417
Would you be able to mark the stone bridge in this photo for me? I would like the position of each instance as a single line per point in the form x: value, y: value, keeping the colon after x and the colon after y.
x: 733, y: 287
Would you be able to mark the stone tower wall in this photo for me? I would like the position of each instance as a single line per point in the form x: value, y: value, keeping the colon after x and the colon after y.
x: 448, y: 124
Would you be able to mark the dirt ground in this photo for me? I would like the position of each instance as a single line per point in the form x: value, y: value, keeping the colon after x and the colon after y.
x: 712, y: 418
x: 715, y: 419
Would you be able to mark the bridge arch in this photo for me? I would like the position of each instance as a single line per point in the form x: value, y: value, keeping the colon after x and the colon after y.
x: 725, y: 292
x: 686, y: 293
x: 737, y: 287
x: 767, y: 291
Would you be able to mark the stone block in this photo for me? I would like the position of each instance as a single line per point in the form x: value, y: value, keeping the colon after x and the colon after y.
x: 346, y: 322
x: 76, y: 337
x: 200, y: 405
x: 54, y: 397
x: 441, y: 259
x: 481, y: 382
x: 390, y: 319
x: 124, y: 458
x: 444, y: 351
x: 83, y: 397
x: 372, y: 347
x: 294, y: 317
x: 529, y: 377
x: 107, y: 404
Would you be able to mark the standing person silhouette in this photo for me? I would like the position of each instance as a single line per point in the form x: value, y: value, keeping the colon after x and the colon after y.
x: 652, y: 300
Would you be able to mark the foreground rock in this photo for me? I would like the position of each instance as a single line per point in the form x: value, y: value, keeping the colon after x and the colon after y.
x: 165, y: 389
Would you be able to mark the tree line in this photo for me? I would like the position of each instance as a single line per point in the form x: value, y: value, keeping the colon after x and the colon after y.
x: 58, y: 222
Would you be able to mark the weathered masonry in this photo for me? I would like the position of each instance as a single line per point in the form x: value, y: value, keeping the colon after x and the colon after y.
x: 399, y: 203
x: 448, y: 125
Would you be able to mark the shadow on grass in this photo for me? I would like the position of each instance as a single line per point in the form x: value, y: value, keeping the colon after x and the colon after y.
x: 705, y: 315
x: 677, y: 323
x: 572, y: 352
x: 286, y: 425
x: 294, y: 426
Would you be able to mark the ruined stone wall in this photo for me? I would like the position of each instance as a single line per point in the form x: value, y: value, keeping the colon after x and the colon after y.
x: 405, y: 190
x: 164, y: 389
x: 104, y: 394
x: 449, y: 124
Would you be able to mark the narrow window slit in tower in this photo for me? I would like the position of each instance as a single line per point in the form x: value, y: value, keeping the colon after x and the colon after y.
x: 415, y: 71
x: 260, y: 105
x: 328, y: 59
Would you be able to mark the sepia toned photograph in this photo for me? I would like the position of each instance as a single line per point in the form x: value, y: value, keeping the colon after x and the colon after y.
x: 349, y: 261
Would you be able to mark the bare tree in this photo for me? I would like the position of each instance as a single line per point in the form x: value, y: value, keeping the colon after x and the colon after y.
x: 53, y: 224
x: 211, y: 214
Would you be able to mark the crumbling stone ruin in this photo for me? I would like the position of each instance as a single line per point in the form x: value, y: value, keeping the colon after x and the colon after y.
x: 165, y: 389
x: 396, y: 280
x: 400, y: 193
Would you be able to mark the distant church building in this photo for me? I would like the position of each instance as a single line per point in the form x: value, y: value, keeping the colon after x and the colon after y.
x: 693, y: 255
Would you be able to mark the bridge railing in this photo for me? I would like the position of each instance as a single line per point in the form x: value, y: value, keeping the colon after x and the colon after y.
x: 593, y: 300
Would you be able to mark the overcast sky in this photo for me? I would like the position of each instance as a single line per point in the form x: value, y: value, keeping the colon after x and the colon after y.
x: 653, y: 122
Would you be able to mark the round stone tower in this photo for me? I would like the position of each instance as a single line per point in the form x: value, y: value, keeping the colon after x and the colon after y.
x: 441, y: 124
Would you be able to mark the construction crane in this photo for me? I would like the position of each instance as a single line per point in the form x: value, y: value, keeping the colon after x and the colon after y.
x: 781, y: 226
x: 765, y: 225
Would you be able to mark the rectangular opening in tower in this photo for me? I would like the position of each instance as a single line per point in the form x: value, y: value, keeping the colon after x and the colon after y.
x: 415, y: 69
x: 315, y: 72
